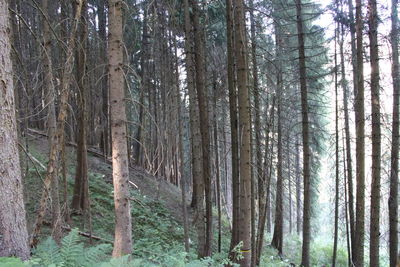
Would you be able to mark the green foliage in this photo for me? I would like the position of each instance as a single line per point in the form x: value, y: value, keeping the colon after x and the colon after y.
x: 71, y: 253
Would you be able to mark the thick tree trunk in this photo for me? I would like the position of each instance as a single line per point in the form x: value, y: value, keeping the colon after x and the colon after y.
x: 13, y: 231
x: 123, y: 224
x: 305, y: 258
x: 358, y: 250
x: 376, y: 135
x: 394, y: 170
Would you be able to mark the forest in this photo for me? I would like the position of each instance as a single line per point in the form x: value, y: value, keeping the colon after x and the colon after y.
x: 199, y: 133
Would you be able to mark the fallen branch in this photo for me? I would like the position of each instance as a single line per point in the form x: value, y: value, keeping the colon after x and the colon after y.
x: 88, y: 235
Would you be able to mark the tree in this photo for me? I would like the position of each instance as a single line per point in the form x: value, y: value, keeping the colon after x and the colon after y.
x: 358, y: 248
x: 305, y: 258
x: 123, y: 225
x: 376, y: 135
x: 13, y: 231
x: 394, y: 170
x: 244, y: 233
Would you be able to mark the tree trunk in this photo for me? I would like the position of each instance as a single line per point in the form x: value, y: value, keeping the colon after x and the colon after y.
x: 55, y: 147
x: 13, y: 231
x: 305, y: 258
x: 201, y: 90
x: 394, y: 170
x: 376, y: 135
x: 336, y: 225
x: 244, y: 233
x: 48, y: 82
x: 80, y: 198
x: 233, y: 123
x: 197, y: 169
x: 123, y: 224
x: 277, y: 239
x: 360, y: 145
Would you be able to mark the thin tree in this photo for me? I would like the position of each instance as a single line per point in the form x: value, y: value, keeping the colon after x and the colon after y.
x: 13, y: 231
x: 358, y: 248
x: 305, y: 258
x: 55, y: 147
x: 394, y: 170
x: 123, y: 224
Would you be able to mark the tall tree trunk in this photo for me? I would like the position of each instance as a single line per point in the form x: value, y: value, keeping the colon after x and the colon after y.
x: 244, y: 234
x: 80, y: 198
x: 48, y: 82
x: 266, y: 177
x: 257, y: 124
x: 349, y: 169
x: 376, y: 135
x: 201, y: 90
x: 233, y: 123
x: 55, y: 147
x: 360, y: 145
x: 197, y: 169
x: 305, y: 258
x: 336, y: 224
x: 13, y: 231
x: 277, y: 239
x: 394, y: 170
x: 123, y: 225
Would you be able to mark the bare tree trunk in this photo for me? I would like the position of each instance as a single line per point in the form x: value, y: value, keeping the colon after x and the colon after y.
x: 197, y: 169
x: 13, y: 231
x: 80, y: 198
x: 48, y: 81
x: 336, y: 225
x: 394, y: 170
x: 298, y: 188
x: 123, y: 225
x: 55, y: 147
x: 244, y: 226
x: 305, y: 258
x: 376, y: 135
x: 233, y: 123
x: 360, y: 145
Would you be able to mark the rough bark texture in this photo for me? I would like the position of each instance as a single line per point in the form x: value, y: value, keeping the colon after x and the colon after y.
x: 358, y: 250
x: 305, y: 258
x: 376, y: 135
x: 13, y: 231
x: 394, y: 170
x: 244, y: 234
x: 123, y: 225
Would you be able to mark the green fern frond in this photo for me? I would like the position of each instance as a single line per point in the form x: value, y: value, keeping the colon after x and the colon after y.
x: 48, y: 252
x: 71, y: 249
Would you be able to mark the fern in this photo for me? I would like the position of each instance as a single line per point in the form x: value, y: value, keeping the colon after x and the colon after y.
x: 71, y: 249
x: 48, y: 252
x: 94, y: 255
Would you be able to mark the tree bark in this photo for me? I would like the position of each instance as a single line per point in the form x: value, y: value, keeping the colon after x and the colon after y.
x: 360, y: 145
x: 123, y: 224
x: 244, y: 233
x: 13, y: 231
x: 305, y: 258
x: 376, y: 135
x: 394, y: 167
